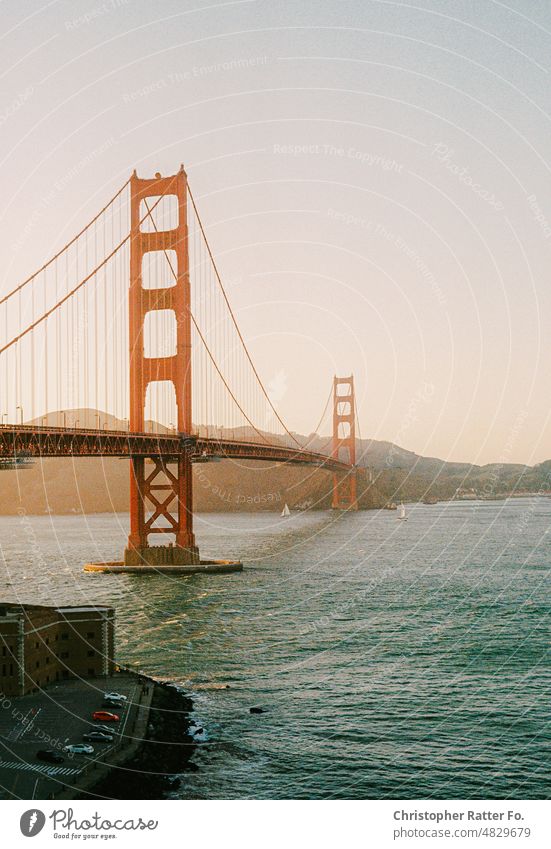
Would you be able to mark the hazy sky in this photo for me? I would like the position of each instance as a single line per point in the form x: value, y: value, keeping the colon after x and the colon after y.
x: 374, y: 177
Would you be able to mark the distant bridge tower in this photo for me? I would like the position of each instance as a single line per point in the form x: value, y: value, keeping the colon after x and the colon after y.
x: 344, y: 443
x: 161, y: 493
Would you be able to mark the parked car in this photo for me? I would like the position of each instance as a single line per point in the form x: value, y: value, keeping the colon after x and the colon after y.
x: 111, y: 703
x: 50, y: 755
x: 104, y: 729
x: 117, y: 696
x: 98, y: 737
x: 79, y: 749
x: 105, y: 716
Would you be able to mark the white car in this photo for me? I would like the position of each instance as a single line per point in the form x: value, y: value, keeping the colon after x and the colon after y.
x: 79, y: 749
x: 116, y: 696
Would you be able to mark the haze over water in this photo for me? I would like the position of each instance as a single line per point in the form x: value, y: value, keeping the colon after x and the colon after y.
x: 393, y: 659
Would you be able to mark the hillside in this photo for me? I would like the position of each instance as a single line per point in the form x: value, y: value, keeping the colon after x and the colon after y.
x: 91, y: 485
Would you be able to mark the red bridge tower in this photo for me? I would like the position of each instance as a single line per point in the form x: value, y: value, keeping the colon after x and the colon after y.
x: 344, y: 442
x: 161, y: 493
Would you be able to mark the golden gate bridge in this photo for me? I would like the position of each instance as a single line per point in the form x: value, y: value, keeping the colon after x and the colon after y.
x: 131, y: 318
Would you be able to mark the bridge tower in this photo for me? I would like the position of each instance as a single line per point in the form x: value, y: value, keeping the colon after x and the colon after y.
x: 344, y: 442
x: 161, y: 489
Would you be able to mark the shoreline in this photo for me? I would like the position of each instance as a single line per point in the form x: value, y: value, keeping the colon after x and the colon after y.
x: 152, y: 747
x: 311, y: 510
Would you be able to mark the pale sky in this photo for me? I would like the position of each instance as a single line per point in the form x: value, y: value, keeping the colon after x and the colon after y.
x: 374, y: 177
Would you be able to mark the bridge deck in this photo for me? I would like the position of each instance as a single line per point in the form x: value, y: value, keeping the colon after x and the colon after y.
x: 22, y: 441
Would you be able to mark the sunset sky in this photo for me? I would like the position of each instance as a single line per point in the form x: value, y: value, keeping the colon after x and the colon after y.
x: 374, y: 178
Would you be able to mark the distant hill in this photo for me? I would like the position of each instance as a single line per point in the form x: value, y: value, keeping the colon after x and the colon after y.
x: 387, y: 473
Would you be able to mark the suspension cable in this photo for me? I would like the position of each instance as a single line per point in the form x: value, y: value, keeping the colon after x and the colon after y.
x: 73, y: 291
x: 203, y: 340
x: 64, y: 248
x: 357, y: 421
x: 324, y: 412
x: 278, y: 417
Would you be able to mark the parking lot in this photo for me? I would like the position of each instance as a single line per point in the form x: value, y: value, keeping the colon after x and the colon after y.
x: 56, y: 717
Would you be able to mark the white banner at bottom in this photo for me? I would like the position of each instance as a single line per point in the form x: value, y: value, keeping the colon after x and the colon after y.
x: 258, y: 824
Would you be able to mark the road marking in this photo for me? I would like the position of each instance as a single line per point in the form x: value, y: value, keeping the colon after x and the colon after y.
x: 30, y: 724
x: 19, y: 728
x: 128, y: 709
x: 42, y: 768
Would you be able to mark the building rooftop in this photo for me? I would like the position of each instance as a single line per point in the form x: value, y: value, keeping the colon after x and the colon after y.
x: 10, y: 609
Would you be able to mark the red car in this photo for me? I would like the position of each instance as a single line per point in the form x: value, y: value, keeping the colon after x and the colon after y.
x: 105, y: 716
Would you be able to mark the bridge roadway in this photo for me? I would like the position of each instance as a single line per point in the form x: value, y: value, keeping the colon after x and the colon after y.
x: 18, y: 442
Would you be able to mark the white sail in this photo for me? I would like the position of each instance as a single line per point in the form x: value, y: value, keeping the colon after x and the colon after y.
x: 402, y: 512
x: 286, y: 511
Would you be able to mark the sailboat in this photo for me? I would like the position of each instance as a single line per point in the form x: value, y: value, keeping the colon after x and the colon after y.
x: 402, y: 513
x: 285, y: 511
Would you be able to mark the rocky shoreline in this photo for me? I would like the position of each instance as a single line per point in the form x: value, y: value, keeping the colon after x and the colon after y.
x: 151, y: 772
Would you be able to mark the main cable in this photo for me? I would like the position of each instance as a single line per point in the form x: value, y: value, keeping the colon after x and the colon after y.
x: 64, y: 248
x: 278, y: 417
